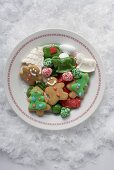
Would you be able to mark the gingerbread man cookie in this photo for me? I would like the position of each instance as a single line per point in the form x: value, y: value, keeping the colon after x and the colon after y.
x: 30, y: 74
x: 55, y: 92
x: 51, y: 81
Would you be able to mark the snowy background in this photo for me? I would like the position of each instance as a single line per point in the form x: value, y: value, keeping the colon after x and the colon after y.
x: 69, y: 149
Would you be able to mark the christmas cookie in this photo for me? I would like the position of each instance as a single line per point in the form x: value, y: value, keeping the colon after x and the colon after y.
x: 51, y: 81
x: 81, y: 84
x: 49, y: 52
x: 63, y: 65
x: 37, y: 103
x: 71, y: 103
x: 46, y: 72
x: 56, y: 93
x: 76, y: 73
x: 67, y: 76
x: 48, y: 62
x: 56, y: 108
x: 33, y: 89
x: 28, y: 93
x: 72, y: 93
x: 41, y: 84
x: 30, y: 74
x: 65, y: 112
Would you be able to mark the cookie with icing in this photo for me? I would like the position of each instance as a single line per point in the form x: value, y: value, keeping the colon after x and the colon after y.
x: 65, y: 112
x: 55, y: 92
x: 51, y: 81
x: 37, y: 103
x: 48, y: 62
x: 56, y: 109
x: 71, y: 103
x: 67, y: 76
x: 50, y: 51
x: 30, y: 74
x: 72, y: 94
x: 76, y: 73
x: 79, y: 87
x: 63, y: 65
x: 46, y: 72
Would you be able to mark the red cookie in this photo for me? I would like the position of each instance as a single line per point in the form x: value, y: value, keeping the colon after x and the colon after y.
x: 71, y: 103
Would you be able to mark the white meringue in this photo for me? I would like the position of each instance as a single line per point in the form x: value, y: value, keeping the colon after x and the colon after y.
x: 63, y: 55
x: 85, y: 64
x: 35, y: 57
x: 69, y: 49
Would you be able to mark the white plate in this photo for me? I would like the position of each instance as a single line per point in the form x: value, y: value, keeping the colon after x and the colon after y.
x: 15, y: 87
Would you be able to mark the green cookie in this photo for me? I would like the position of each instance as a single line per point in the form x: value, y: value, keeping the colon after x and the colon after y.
x: 76, y: 73
x: 48, y: 62
x: 54, y: 73
x: 81, y: 84
x: 63, y: 64
x: 56, y: 109
x: 28, y: 93
x: 42, y: 85
x: 49, y: 52
x: 65, y: 112
x: 36, y: 101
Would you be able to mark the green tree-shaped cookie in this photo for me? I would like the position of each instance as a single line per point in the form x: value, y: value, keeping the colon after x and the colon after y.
x: 81, y: 84
x: 36, y: 101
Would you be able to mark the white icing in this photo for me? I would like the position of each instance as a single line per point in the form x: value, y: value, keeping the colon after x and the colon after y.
x: 85, y: 64
x: 35, y: 57
x: 33, y: 74
x: 63, y: 55
x: 69, y: 49
x: 51, y: 84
